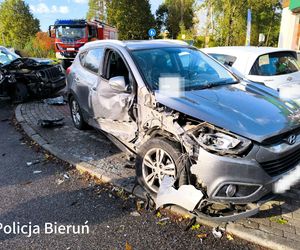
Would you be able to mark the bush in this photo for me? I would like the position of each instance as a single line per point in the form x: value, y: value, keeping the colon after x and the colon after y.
x: 39, y: 46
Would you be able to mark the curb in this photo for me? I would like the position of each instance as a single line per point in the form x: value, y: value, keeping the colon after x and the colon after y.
x: 240, y: 231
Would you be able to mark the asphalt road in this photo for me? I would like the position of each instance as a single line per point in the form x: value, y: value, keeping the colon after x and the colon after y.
x: 48, y: 191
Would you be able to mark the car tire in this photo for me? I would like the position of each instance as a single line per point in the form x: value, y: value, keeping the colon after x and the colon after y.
x: 19, y: 93
x: 76, y: 114
x: 171, y: 154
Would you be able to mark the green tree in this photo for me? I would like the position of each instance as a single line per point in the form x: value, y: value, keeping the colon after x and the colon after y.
x: 174, y: 14
x: 17, y: 24
x: 230, y: 20
x: 133, y: 18
x: 97, y: 10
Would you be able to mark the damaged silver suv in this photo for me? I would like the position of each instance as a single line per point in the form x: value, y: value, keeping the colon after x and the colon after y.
x: 203, y: 139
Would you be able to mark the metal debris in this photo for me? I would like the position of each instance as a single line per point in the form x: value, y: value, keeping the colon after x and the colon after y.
x: 37, y: 172
x: 58, y: 122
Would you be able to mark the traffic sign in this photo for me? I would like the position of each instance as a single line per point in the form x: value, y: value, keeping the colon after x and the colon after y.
x: 152, y: 32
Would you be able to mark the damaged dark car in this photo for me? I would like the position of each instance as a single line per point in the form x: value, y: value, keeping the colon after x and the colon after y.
x: 203, y: 139
x: 24, y: 78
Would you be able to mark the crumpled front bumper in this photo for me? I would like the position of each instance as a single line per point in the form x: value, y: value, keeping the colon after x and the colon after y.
x: 217, y: 172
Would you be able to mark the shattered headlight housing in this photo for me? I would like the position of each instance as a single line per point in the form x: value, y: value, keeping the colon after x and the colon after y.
x: 221, y: 141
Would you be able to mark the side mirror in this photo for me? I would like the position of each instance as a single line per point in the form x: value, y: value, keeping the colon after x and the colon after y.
x: 118, y: 83
x: 51, y: 31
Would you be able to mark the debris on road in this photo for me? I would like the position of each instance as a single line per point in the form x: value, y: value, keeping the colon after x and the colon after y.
x: 217, y: 233
x: 135, y: 214
x: 66, y: 176
x: 51, y: 123
x: 55, y: 101
x: 187, y: 196
x: 30, y: 163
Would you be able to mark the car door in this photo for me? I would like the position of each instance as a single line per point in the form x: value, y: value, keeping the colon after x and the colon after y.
x: 87, y: 77
x: 112, y: 108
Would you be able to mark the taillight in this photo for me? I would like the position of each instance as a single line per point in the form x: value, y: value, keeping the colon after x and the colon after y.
x: 68, y: 71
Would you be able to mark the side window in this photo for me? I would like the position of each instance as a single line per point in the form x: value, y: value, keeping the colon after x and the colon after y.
x: 276, y: 63
x: 82, y: 57
x: 92, y: 31
x: 92, y: 59
x: 116, y: 66
x: 227, y: 60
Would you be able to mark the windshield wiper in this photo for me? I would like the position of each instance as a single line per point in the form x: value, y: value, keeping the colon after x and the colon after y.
x: 214, y: 84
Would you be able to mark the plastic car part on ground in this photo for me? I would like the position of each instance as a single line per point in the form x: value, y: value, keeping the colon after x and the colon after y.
x: 51, y: 123
x: 55, y: 101
x: 187, y: 196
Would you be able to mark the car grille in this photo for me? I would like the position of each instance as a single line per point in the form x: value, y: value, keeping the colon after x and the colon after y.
x: 53, y: 73
x: 281, y: 165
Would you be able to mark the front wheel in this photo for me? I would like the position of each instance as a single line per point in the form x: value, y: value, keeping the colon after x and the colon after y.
x: 76, y: 114
x: 157, y: 158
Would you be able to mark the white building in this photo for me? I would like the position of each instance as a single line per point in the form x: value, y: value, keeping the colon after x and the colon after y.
x: 289, y: 37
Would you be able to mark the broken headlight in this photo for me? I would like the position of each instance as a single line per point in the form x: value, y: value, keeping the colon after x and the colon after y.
x: 222, y: 142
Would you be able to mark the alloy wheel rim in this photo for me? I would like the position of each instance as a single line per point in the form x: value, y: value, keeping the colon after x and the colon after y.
x: 157, y: 163
x: 75, y: 112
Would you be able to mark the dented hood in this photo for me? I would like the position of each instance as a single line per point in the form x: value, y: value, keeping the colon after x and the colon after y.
x: 249, y: 110
x: 29, y: 63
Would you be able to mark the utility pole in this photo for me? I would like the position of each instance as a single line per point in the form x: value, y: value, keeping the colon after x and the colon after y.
x: 181, y: 11
x: 208, y: 25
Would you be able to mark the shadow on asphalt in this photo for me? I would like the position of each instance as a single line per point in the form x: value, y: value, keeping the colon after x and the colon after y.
x: 67, y: 208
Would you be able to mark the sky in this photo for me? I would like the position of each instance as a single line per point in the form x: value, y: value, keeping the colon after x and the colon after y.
x: 47, y: 11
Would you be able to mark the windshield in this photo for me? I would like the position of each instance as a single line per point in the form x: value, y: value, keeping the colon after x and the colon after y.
x: 76, y: 32
x: 278, y: 63
x: 6, y: 56
x: 187, y: 68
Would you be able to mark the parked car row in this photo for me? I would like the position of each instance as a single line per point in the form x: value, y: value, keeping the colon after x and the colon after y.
x: 187, y: 118
x: 24, y: 78
x: 273, y: 67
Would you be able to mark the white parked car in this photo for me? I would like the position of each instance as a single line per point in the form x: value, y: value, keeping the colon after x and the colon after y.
x: 274, y: 67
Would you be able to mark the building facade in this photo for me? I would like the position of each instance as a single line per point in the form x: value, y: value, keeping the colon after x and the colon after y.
x: 289, y: 37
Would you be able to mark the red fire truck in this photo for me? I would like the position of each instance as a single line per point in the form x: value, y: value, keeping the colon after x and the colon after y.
x: 70, y: 35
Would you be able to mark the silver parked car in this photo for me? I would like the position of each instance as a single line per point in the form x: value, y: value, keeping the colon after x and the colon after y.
x: 201, y: 136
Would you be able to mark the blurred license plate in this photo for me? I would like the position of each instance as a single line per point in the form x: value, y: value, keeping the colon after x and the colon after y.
x: 287, y: 181
x: 70, y: 49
